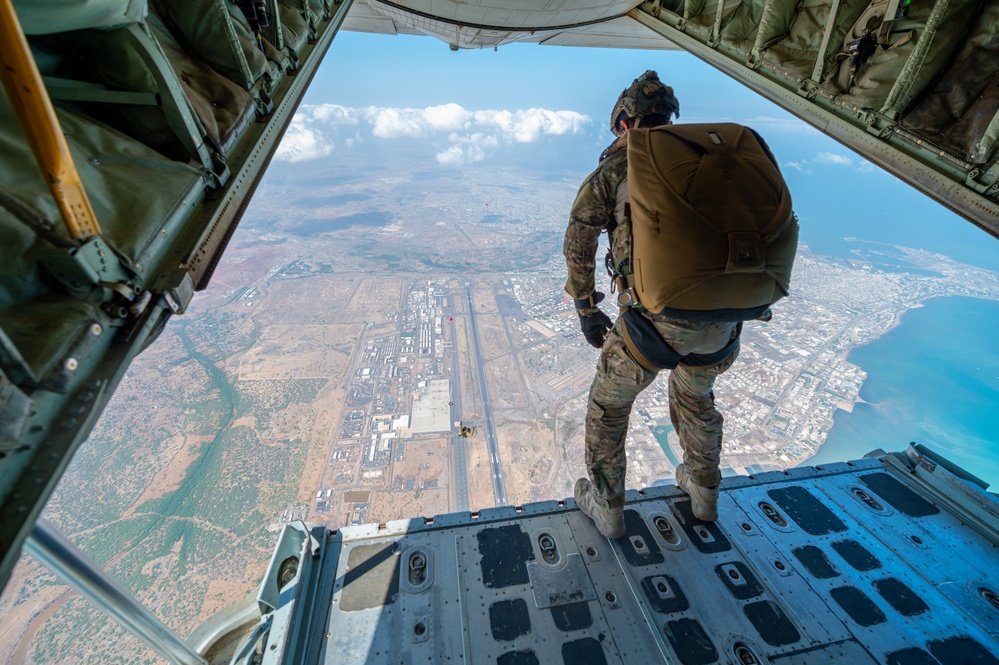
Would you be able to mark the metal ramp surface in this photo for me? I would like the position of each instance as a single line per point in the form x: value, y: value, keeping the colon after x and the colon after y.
x: 885, y: 560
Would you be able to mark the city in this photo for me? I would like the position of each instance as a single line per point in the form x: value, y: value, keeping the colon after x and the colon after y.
x: 446, y: 351
x: 329, y: 373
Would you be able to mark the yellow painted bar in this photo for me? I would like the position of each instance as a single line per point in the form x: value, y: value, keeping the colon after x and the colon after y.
x: 31, y: 102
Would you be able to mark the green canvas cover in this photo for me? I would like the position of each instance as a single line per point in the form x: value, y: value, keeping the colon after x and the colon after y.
x: 740, y: 31
x: 311, y: 12
x: 121, y: 176
x: 711, y: 218
x: 874, y: 87
x: 294, y: 27
x: 46, y: 17
x: 42, y: 324
x: 320, y: 9
x: 223, y: 107
x: 703, y: 22
x: 934, y: 66
x: 959, y: 112
x: 795, y: 35
x: 223, y: 42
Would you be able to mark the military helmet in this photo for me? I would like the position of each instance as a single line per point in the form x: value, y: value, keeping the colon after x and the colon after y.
x: 645, y: 96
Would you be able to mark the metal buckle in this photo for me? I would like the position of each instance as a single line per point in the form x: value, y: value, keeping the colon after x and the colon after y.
x: 627, y: 297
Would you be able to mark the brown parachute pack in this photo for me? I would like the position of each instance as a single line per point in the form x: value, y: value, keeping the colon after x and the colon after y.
x: 714, y: 233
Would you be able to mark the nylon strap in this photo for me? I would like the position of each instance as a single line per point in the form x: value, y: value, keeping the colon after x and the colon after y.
x: 654, y: 353
x: 629, y: 344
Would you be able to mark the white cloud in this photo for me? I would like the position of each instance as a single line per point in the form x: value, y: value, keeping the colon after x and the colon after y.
x: 459, y: 155
x: 472, y: 133
x: 467, y: 149
x: 478, y: 138
x: 833, y: 158
x: 332, y: 114
x: 830, y: 158
x: 447, y: 117
x: 395, y: 123
x: 302, y: 143
x: 530, y: 125
x: 312, y: 131
x: 801, y: 166
x: 354, y: 140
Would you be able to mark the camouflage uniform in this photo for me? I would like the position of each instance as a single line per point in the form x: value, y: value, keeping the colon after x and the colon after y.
x: 619, y: 379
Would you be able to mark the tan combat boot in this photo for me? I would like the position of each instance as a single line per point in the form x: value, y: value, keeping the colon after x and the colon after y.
x: 703, y: 500
x: 609, y: 521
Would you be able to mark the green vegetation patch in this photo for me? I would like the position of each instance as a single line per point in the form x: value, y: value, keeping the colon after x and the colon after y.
x: 109, y: 541
x: 95, y: 491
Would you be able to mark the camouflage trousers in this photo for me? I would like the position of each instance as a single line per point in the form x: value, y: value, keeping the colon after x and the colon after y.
x: 620, y: 379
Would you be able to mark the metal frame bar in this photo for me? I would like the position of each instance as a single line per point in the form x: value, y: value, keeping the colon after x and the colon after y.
x: 74, y: 568
x: 274, y: 33
x: 714, y: 38
x: 983, y: 149
x: 958, y: 491
x: 81, y: 91
x: 222, y: 16
x: 820, y: 59
x: 177, y: 109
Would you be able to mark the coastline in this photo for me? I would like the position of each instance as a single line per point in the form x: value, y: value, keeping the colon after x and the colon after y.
x: 824, y: 447
x: 857, y: 399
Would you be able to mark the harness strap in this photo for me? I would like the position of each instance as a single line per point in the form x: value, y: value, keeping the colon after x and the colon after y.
x: 653, y: 353
x: 632, y: 348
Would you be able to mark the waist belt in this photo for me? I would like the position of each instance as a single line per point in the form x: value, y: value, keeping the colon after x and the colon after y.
x: 652, y: 352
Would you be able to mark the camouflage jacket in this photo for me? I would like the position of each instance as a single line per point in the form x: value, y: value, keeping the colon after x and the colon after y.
x: 598, y: 207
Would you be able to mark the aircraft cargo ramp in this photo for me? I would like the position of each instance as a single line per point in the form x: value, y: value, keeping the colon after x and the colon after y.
x: 889, y: 559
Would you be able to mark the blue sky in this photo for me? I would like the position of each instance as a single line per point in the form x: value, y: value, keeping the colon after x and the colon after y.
x: 378, y: 94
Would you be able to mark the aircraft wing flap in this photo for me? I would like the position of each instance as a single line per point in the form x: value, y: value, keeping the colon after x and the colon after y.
x: 622, y: 32
x: 471, y: 28
x: 362, y: 18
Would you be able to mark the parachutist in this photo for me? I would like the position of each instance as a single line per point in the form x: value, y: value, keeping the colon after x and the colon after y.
x: 665, y: 323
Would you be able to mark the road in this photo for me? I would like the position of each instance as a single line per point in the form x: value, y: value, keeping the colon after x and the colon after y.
x: 327, y: 477
x: 458, y: 457
x: 489, y: 429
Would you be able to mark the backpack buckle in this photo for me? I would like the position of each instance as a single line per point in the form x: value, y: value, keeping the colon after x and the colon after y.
x: 627, y: 297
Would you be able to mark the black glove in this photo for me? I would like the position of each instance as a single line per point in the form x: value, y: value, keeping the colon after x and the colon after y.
x: 593, y: 321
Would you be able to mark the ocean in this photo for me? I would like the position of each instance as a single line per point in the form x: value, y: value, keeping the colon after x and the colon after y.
x: 896, y: 215
x: 934, y: 380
